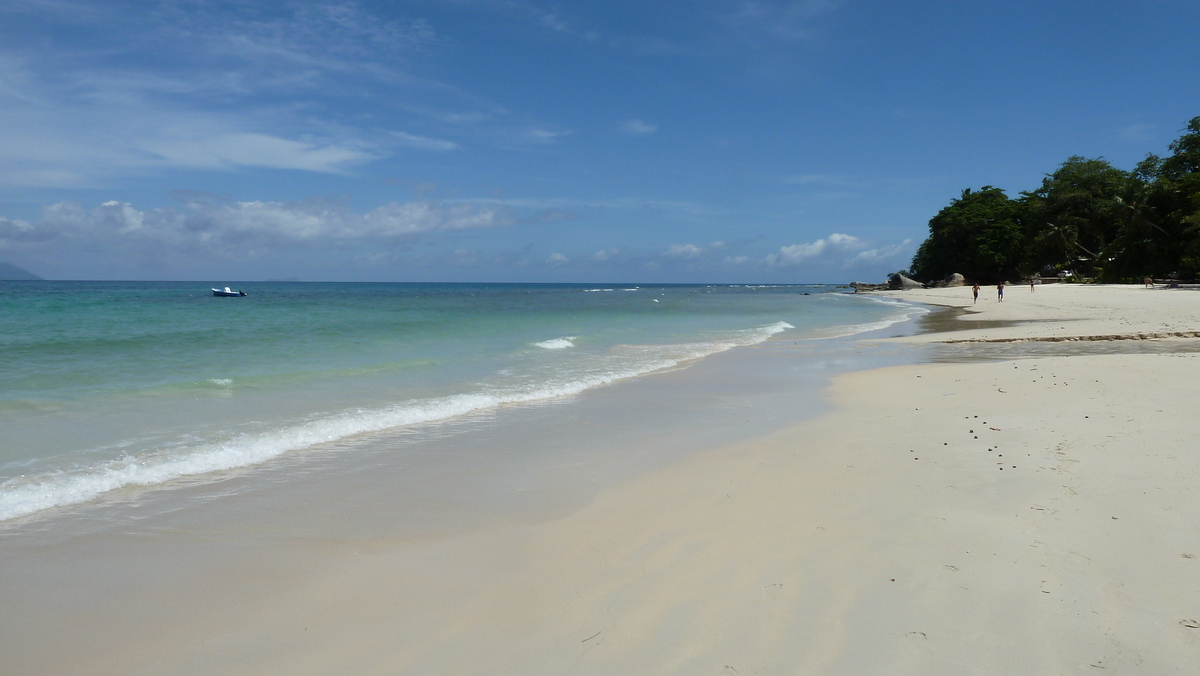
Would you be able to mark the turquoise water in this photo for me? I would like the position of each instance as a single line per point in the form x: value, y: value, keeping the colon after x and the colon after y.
x: 111, y: 384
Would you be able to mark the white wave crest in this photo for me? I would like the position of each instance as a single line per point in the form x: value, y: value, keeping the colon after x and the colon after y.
x: 905, y: 311
x: 557, y: 343
x: 26, y: 495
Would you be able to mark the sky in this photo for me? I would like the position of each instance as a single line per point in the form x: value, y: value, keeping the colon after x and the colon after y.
x: 702, y: 141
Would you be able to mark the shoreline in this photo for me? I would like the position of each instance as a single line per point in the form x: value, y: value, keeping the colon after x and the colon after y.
x: 880, y: 537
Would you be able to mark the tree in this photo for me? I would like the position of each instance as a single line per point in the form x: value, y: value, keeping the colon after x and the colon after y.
x: 978, y: 235
x: 1088, y: 216
x: 1074, y: 215
x: 1185, y: 157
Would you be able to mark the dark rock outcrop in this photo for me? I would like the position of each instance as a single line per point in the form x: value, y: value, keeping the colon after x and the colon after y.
x: 898, y: 282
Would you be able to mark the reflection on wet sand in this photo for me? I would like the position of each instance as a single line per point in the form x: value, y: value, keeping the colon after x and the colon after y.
x: 949, y: 320
x: 994, y: 351
x: 945, y: 320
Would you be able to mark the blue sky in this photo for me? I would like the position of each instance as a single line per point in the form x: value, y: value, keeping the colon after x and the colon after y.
x: 472, y: 140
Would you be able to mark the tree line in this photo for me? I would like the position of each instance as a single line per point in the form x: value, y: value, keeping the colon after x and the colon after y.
x: 1088, y: 217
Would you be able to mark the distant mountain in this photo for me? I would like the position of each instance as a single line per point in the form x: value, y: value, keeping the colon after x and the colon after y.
x: 8, y: 271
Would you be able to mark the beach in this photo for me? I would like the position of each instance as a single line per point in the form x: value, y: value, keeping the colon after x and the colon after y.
x: 974, y: 513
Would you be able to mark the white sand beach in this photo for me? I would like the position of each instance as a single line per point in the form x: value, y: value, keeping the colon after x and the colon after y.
x: 1036, y: 516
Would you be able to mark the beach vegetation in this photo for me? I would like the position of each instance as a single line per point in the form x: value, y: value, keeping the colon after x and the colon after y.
x: 978, y: 235
x: 1087, y: 216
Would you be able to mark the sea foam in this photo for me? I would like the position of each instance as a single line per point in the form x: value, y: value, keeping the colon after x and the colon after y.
x: 26, y: 495
x: 904, y: 312
x: 557, y: 343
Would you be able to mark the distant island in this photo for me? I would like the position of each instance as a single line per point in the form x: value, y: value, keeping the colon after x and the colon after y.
x: 10, y: 272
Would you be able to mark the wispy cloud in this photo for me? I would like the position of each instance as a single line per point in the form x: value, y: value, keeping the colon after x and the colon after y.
x: 554, y: 22
x: 637, y: 127
x: 786, y: 20
x: 540, y: 135
x: 817, y: 179
x: 1140, y: 132
x: 692, y: 209
x: 423, y: 142
x: 207, y: 226
x: 881, y: 253
x: 557, y: 259
x: 246, y: 149
x: 188, y: 86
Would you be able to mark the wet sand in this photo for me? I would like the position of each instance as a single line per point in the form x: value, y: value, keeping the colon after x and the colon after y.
x: 1037, y: 515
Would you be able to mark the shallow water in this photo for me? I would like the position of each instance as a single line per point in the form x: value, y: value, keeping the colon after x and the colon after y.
x: 107, y: 387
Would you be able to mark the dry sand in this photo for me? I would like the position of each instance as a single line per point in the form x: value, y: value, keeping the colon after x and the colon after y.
x: 1038, y: 516
x: 1067, y: 310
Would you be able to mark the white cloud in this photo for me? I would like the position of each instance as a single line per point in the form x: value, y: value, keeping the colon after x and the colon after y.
x: 735, y: 260
x: 683, y: 251
x: 212, y: 224
x: 424, y: 143
x: 637, y: 127
x: 16, y: 230
x: 879, y: 254
x: 556, y: 259
x: 851, y: 250
x: 796, y: 253
x: 605, y: 255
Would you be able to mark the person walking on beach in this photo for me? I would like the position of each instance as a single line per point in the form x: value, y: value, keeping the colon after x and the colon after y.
x: 1000, y: 292
x: 975, y: 293
x: 1030, y: 285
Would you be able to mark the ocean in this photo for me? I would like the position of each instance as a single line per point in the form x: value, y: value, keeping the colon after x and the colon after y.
x: 106, y: 386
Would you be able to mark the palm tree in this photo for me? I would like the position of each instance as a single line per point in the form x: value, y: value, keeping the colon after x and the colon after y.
x: 1133, y: 209
x: 1062, y: 235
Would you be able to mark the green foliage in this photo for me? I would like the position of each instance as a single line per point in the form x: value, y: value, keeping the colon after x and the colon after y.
x: 978, y: 235
x: 1087, y: 216
x: 1185, y: 157
x: 1074, y: 215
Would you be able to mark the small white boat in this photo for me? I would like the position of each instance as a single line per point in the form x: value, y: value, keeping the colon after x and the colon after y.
x: 228, y: 293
